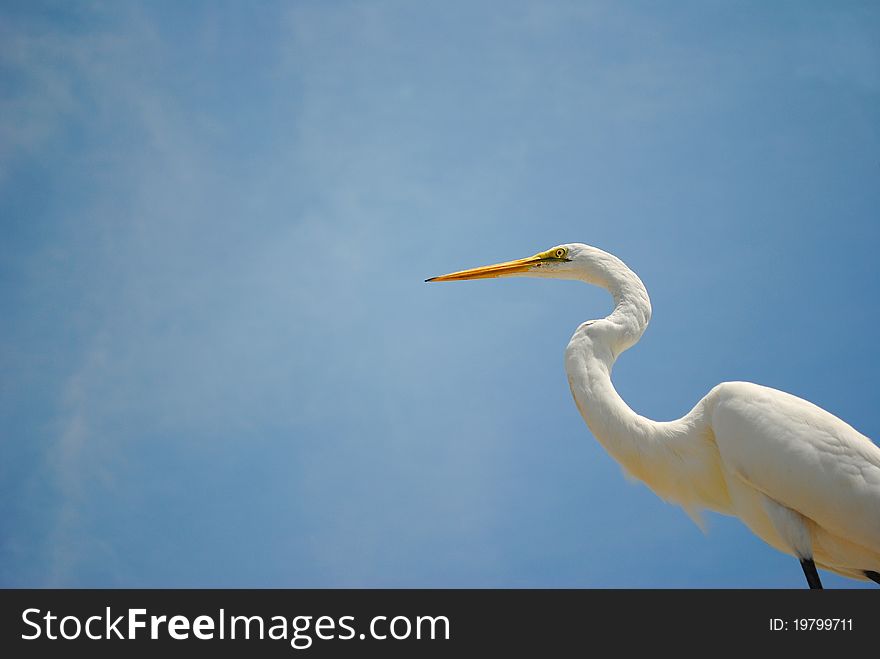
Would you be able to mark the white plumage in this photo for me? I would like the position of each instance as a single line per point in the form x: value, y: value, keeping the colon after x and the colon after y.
x: 801, y: 479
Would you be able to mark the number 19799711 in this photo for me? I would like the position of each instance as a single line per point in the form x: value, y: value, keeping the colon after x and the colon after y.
x: 811, y: 624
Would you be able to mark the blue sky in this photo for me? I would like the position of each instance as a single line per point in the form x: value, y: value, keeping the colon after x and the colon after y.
x: 220, y: 366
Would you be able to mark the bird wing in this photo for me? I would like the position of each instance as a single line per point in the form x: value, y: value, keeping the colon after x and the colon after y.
x: 802, y: 457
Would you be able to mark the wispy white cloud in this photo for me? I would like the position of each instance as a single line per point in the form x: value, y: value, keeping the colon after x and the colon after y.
x: 38, y: 96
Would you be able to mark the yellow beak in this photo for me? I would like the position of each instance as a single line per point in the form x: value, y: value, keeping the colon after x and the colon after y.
x: 497, y: 270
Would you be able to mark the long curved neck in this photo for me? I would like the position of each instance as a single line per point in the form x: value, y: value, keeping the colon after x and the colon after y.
x: 674, y: 458
x: 590, y: 357
x: 632, y: 311
x: 632, y: 307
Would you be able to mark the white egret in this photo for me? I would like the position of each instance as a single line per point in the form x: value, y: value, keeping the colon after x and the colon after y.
x: 801, y: 479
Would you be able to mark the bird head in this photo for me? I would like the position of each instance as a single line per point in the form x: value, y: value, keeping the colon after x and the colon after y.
x: 560, y: 262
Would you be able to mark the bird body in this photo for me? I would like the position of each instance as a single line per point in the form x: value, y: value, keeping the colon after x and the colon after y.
x: 801, y: 479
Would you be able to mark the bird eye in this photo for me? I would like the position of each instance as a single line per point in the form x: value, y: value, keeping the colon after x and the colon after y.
x: 560, y: 253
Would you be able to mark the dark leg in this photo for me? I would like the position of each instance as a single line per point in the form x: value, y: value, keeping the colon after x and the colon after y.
x: 810, y: 573
x: 873, y: 576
